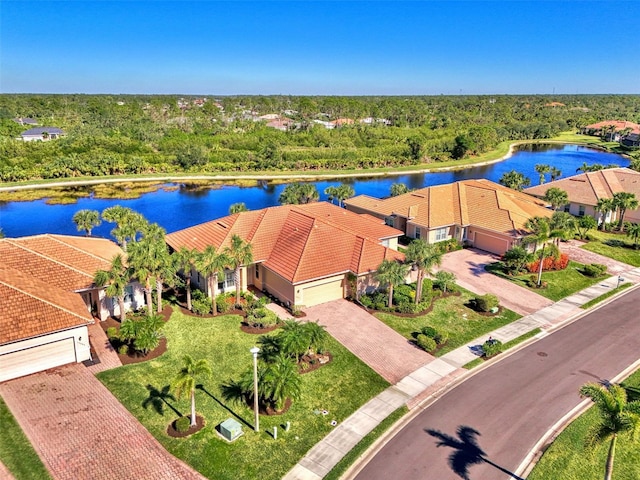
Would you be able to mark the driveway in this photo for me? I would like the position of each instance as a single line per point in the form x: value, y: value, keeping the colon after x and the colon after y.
x: 577, y: 254
x: 468, y: 266
x: 379, y: 346
x: 80, y: 430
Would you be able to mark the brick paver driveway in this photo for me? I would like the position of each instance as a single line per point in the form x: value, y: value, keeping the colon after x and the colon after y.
x: 81, y: 431
x: 468, y: 266
x: 382, y: 348
x: 577, y: 254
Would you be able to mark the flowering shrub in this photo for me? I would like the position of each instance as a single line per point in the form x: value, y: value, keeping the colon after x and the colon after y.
x: 550, y: 263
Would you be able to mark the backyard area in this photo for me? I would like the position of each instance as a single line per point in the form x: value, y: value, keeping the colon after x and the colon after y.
x: 329, y: 394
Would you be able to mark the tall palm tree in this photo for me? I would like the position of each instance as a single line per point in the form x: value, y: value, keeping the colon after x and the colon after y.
x: 281, y: 381
x: 299, y: 193
x: 555, y: 173
x: 540, y: 235
x: 344, y: 191
x: 331, y: 192
x: 391, y: 273
x: 624, y: 201
x: 556, y: 197
x: 398, y: 189
x: 514, y: 180
x: 238, y: 208
x: 424, y: 256
x: 85, y: 220
x: 128, y: 224
x: 140, y: 259
x: 617, y: 416
x: 604, y: 206
x: 186, y: 380
x: 212, y: 264
x: 542, y: 170
x: 633, y: 232
x: 240, y: 253
x: 153, y: 239
x: 184, y: 260
x: 116, y: 280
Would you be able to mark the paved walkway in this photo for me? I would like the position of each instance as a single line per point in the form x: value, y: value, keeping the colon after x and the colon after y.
x: 572, y: 248
x: 468, y: 266
x: 436, y: 376
x: 386, y: 351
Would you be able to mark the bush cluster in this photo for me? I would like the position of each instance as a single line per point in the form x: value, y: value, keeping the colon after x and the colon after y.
x: 403, y: 299
x: 200, y: 302
x: 550, y: 263
x: 485, y: 303
x: 183, y: 424
x: 428, y: 338
x: 594, y: 270
x: 491, y: 347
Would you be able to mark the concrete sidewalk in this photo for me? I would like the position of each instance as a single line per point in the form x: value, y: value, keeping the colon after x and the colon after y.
x: 435, y: 376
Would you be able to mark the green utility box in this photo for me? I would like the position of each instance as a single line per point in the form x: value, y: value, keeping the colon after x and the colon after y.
x: 230, y: 429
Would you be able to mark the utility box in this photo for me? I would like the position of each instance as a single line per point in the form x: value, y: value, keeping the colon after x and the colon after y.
x: 230, y: 429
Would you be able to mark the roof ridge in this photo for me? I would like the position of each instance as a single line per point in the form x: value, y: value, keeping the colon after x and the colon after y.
x: 331, y: 223
x: 55, y: 237
x: 304, y: 248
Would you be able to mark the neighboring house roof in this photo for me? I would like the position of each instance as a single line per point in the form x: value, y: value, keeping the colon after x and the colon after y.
x: 42, y: 130
x: 588, y: 187
x: 65, y: 262
x: 480, y: 203
x: 299, y: 242
x: 618, y: 124
x: 25, y: 121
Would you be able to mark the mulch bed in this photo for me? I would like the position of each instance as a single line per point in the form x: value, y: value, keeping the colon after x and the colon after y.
x: 310, y: 363
x: 188, y: 313
x: 250, y: 329
x: 270, y: 411
x: 173, y: 433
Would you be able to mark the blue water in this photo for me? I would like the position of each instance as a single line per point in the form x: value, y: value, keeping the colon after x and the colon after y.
x: 182, y: 208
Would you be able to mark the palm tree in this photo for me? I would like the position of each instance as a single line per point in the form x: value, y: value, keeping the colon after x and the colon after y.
x: 157, y: 256
x: 344, y: 191
x: 239, y: 253
x: 445, y: 280
x: 624, y: 201
x: 212, y: 264
x: 514, y: 180
x: 604, y: 206
x: 391, y: 273
x: 238, y: 208
x: 633, y: 232
x: 398, y: 189
x: 617, y: 416
x: 424, y: 257
x: 555, y: 173
x: 540, y: 234
x: 299, y: 193
x: 281, y: 381
x: 85, y: 220
x: 293, y: 340
x: 556, y: 197
x: 184, y: 260
x: 140, y: 260
x: 186, y: 380
x: 331, y: 192
x: 542, y: 170
x: 128, y: 224
x: 564, y: 224
x: 116, y: 280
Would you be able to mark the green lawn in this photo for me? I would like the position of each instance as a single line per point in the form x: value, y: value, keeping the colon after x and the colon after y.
x: 505, y: 346
x: 560, y: 283
x: 568, y: 459
x: 604, y: 296
x: 614, y: 245
x: 339, y: 387
x: 450, y: 315
x: 16, y: 453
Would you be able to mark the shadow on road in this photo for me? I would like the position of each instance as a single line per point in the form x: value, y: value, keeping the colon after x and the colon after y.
x: 466, y: 451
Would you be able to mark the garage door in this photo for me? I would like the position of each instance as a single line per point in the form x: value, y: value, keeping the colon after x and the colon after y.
x: 490, y: 244
x: 322, y: 293
x: 36, y: 359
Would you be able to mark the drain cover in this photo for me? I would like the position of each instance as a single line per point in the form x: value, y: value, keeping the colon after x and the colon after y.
x: 543, y: 354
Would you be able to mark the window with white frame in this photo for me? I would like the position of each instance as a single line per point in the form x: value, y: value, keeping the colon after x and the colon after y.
x: 581, y: 211
x: 128, y: 294
x: 442, y: 234
x: 417, y: 235
x: 227, y: 280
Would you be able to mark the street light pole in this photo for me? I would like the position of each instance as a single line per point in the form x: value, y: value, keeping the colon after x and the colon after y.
x: 255, y: 351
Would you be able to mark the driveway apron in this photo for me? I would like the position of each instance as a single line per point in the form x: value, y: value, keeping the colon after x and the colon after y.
x: 382, y: 348
x: 468, y: 266
x: 81, y: 431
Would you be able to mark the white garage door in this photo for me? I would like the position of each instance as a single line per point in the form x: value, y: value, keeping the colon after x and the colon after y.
x: 36, y: 359
x: 490, y: 244
x: 322, y: 293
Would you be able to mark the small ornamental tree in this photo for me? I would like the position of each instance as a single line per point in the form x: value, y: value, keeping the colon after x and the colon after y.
x: 186, y: 380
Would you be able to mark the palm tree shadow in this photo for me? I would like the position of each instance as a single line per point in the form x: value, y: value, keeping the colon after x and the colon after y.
x: 466, y: 451
x: 201, y: 387
x: 159, y: 398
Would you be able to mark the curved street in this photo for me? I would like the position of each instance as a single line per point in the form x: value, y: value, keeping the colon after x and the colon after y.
x: 500, y: 413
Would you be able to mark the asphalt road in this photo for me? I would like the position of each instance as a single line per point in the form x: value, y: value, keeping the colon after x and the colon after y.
x: 513, y: 403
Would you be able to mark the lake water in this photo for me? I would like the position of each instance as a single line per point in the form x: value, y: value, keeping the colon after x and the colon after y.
x: 180, y: 208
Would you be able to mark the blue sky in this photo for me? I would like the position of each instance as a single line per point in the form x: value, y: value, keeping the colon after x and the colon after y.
x: 319, y: 48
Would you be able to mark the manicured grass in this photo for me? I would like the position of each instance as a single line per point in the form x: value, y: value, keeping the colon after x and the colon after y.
x: 614, y: 245
x: 16, y: 453
x: 568, y: 459
x: 348, y: 460
x: 505, y: 346
x: 604, y: 296
x: 339, y: 387
x: 560, y: 283
x: 450, y: 315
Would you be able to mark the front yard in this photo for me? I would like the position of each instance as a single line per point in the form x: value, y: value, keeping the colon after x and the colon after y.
x: 332, y: 392
x: 613, y: 245
x: 450, y: 315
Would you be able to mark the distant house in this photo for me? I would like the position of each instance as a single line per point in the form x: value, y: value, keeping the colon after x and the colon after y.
x: 41, y: 134
x: 325, y: 124
x: 282, y: 124
x: 49, y: 298
x: 339, y: 122
x: 612, y: 130
x: 25, y: 121
x: 586, y: 189
x: 631, y: 140
x: 554, y: 104
x: 302, y: 254
x: 480, y: 213
x: 373, y: 121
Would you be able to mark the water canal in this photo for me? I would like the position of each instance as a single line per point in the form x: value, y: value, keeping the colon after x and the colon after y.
x: 182, y: 207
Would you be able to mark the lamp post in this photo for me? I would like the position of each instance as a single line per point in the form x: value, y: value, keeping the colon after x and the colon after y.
x: 254, y: 352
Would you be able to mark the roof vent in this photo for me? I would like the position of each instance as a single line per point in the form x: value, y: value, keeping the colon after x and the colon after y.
x: 222, y: 225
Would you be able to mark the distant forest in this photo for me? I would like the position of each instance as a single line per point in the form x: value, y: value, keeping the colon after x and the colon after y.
x: 137, y: 134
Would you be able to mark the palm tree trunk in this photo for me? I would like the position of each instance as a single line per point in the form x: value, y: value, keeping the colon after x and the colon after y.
x: 188, y: 280
x: 237, y: 282
x: 419, y: 285
x: 390, y: 302
x: 121, y: 305
x: 621, y: 219
x: 159, y: 294
x: 213, y: 286
x: 148, y: 297
x: 541, y: 265
x: 612, y: 452
x: 193, y: 408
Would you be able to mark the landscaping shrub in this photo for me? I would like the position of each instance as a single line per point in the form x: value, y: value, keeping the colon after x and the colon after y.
x: 123, y: 350
x: 428, y: 344
x: 429, y: 332
x: 183, y: 424
x: 427, y: 287
x: 224, y: 303
x: 200, y: 303
x: 594, y: 270
x: 112, y: 333
x: 550, y: 263
x: 450, y: 245
x: 484, y: 303
x: 491, y: 347
x: 367, y: 301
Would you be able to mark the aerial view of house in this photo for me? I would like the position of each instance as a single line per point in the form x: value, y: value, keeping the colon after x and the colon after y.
x: 41, y: 134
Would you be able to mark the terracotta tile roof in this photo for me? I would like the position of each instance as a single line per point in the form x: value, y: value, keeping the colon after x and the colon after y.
x: 32, y: 307
x: 299, y: 242
x: 480, y: 203
x: 618, y: 124
x: 63, y: 261
x: 588, y: 187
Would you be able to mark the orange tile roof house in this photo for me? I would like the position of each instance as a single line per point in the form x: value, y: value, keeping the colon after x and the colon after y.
x: 481, y: 213
x: 303, y: 254
x: 585, y: 189
x: 47, y: 292
x: 613, y: 130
